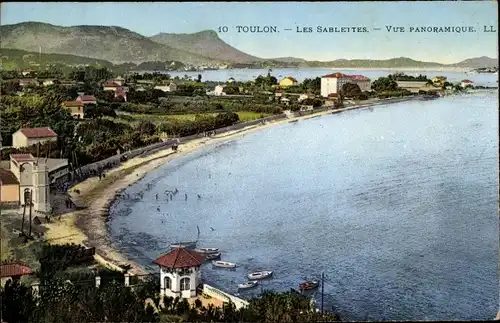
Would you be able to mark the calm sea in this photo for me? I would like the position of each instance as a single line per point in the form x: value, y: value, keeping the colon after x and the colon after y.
x: 396, y: 205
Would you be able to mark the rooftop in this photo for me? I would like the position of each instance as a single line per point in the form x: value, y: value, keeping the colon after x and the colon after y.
x: 38, y: 132
x: 22, y: 157
x: 180, y: 258
x: 352, y: 77
x: 7, y: 177
x: 86, y: 98
x: 111, y: 84
x: 73, y: 103
x: 14, y: 269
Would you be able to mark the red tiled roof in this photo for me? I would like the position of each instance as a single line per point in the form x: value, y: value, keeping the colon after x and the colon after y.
x: 38, y: 132
x: 334, y: 75
x: 14, y: 269
x: 180, y: 258
x: 120, y: 93
x: 73, y: 103
x: 22, y: 157
x: 7, y: 177
x: 467, y: 81
x: 110, y: 84
x: 352, y: 77
x: 86, y: 98
x: 358, y: 77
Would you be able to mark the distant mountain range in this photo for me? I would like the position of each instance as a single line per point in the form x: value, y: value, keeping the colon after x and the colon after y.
x: 120, y: 45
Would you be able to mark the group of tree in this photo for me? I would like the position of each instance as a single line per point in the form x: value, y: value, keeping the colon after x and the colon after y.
x: 63, y: 301
x: 404, y: 77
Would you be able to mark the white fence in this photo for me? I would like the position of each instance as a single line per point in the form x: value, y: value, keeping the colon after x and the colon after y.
x: 223, y: 296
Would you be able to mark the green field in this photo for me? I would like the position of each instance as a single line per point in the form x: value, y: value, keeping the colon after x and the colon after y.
x: 244, y: 116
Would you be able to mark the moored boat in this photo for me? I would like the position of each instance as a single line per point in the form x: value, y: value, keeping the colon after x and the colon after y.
x: 248, y: 284
x: 224, y: 264
x: 184, y: 244
x: 260, y: 274
x: 213, y: 256
x: 309, y: 285
x: 207, y: 250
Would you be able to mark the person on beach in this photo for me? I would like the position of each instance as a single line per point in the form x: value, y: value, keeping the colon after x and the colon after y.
x: 185, y: 197
x: 171, y: 197
x: 176, y: 191
x: 199, y: 197
x: 158, y: 209
x: 157, y: 196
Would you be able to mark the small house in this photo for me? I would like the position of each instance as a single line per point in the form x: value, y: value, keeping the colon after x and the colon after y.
x: 119, y: 80
x: 466, y: 83
x: 171, y: 87
x: 219, y: 90
x: 76, y: 108
x: 288, y: 81
x: 26, y: 137
x: 110, y: 86
x: 13, y: 271
x: 121, y: 93
x: 86, y: 99
x: 180, y: 272
x: 48, y: 82
x: 28, y: 82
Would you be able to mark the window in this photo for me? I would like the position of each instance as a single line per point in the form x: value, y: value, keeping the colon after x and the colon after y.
x: 185, y: 282
x: 168, y: 283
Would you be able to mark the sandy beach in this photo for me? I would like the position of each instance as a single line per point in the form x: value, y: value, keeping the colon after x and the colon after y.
x: 88, y: 226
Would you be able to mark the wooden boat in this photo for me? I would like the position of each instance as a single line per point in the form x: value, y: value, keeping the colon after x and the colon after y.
x: 293, y: 121
x: 207, y: 250
x: 213, y: 256
x: 248, y: 284
x: 260, y: 274
x: 224, y: 264
x: 309, y: 285
x: 185, y: 244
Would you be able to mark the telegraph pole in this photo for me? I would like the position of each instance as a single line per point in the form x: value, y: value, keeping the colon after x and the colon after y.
x: 322, y: 290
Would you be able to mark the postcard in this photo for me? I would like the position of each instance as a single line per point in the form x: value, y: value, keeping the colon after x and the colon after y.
x: 249, y: 161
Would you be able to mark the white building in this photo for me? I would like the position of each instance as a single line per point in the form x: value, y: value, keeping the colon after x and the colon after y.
x: 33, y: 176
x: 26, y: 137
x: 171, y: 87
x: 466, y: 83
x: 180, y: 272
x: 219, y: 90
x: 333, y: 83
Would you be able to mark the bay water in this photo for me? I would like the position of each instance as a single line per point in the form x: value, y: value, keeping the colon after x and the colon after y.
x: 396, y: 205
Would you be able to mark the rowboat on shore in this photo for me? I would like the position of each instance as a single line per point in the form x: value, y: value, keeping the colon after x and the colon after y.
x: 185, y: 244
x: 224, y: 264
x: 248, y: 284
x: 293, y: 121
x: 213, y: 256
x: 207, y: 250
x: 260, y: 274
x: 308, y: 285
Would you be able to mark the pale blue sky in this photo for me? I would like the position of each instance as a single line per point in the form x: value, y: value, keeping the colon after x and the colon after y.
x: 151, y: 18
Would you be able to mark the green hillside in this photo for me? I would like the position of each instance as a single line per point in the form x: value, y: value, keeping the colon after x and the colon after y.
x: 19, y: 59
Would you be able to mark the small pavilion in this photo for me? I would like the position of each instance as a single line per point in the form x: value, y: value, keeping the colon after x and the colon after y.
x: 180, y: 272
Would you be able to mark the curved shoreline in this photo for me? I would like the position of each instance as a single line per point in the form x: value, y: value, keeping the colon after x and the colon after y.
x: 88, y: 226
